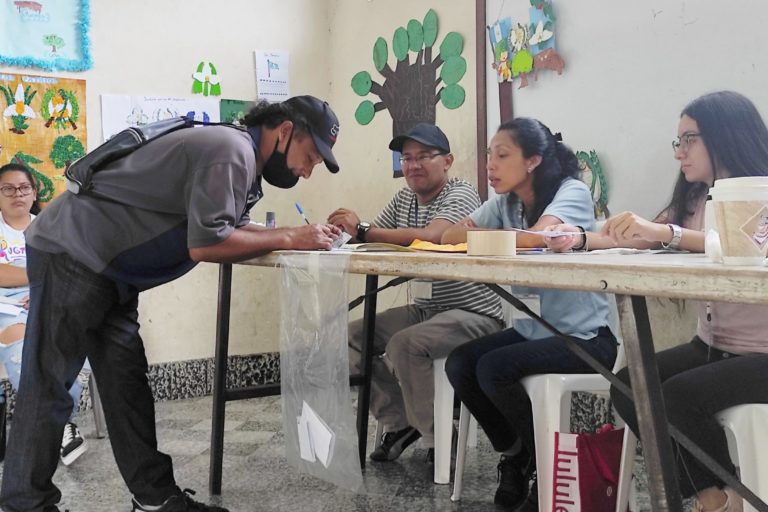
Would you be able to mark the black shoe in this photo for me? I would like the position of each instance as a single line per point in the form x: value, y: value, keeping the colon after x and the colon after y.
x: 73, y: 444
x: 531, y: 503
x: 393, y: 444
x: 513, y: 472
x: 182, y: 502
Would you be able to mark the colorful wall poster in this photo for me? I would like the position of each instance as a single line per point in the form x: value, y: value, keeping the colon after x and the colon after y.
x: 42, y: 126
x: 46, y: 34
x: 272, y: 82
x: 119, y: 112
x: 233, y: 111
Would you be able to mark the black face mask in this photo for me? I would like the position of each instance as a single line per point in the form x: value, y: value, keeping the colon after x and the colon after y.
x: 276, y: 170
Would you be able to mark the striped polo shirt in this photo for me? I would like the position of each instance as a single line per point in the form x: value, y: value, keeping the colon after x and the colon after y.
x: 456, y: 201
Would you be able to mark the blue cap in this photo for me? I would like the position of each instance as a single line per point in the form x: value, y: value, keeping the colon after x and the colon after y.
x: 423, y: 133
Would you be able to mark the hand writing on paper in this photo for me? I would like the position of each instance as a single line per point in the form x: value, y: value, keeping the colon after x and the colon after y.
x: 563, y: 243
x: 314, y: 236
x: 628, y: 226
x: 347, y: 220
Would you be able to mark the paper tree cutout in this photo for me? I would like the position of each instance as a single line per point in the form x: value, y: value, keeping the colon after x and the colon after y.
x: 66, y: 149
x: 411, y: 91
x: 18, y: 108
x: 592, y: 174
x: 207, y: 80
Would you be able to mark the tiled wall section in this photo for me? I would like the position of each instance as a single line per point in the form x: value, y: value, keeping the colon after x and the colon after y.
x: 188, y: 379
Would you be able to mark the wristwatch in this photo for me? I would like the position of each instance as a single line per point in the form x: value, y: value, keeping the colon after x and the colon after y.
x: 362, y: 230
x: 677, y: 235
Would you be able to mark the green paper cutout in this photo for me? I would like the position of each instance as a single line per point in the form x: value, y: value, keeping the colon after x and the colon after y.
x: 365, y: 112
x: 522, y: 62
x: 593, y: 176
x: 206, y: 81
x: 452, y: 97
x: 452, y: 45
x: 45, y: 187
x: 380, y: 52
x: 361, y: 83
x: 453, y: 69
x: 400, y: 43
x: 429, y: 26
x: 415, y: 35
x: 66, y: 149
x: 60, y: 108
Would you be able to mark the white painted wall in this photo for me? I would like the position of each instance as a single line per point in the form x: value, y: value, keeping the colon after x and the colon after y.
x: 631, y: 67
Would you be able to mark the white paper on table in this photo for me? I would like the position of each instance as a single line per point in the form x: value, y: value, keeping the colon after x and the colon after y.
x: 548, y: 234
x: 321, y: 437
x: 9, y: 309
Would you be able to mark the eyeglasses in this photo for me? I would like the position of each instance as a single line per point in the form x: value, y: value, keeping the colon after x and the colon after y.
x: 421, y: 159
x: 10, y: 190
x: 684, y: 141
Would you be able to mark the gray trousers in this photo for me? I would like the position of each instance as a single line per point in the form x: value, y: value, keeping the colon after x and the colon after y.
x: 402, y: 385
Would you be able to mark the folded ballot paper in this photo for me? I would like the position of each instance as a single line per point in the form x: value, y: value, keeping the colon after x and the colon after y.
x: 10, y: 306
x: 315, y: 438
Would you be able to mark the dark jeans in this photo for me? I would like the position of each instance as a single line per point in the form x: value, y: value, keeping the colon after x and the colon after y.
x: 697, y: 383
x: 75, y: 313
x: 486, y: 374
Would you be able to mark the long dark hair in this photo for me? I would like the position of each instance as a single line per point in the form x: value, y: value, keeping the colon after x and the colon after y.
x: 270, y: 115
x: 736, y: 139
x: 20, y: 168
x: 558, y: 162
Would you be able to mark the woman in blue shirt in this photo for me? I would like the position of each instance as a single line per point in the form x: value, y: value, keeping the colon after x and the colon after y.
x: 534, y: 175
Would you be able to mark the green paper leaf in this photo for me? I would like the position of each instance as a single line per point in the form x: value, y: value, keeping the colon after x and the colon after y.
x: 453, y: 69
x: 452, y: 97
x: 215, y: 89
x: 380, y: 53
x: 452, y: 45
x: 430, y: 28
x: 549, y: 12
x: 365, y: 112
x: 361, y: 83
x: 197, y: 87
x: 400, y: 43
x: 415, y: 36
x: 200, y: 67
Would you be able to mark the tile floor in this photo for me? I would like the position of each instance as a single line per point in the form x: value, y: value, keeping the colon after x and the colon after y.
x: 256, y: 475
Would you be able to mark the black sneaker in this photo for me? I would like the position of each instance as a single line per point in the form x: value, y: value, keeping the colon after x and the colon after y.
x: 182, y: 502
x: 393, y: 444
x: 531, y: 503
x: 512, y: 475
x: 72, y: 444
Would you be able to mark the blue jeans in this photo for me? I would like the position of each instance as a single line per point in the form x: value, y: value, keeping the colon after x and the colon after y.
x: 75, y: 313
x: 10, y: 355
x: 486, y: 373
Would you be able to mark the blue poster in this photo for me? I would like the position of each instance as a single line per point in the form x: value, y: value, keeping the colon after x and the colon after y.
x: 45, y: 34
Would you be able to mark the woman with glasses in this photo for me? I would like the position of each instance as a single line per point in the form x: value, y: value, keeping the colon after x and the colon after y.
x: 720, y: 135
x: 534, y: 175
x: 18, y: 206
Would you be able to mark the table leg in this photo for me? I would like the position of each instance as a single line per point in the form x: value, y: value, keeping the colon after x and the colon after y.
x: 220, y: 378
x: 649, y: 404
x: 366, y: 356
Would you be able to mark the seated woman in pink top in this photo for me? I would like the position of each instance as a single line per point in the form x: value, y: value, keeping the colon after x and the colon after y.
x: 720, y: 135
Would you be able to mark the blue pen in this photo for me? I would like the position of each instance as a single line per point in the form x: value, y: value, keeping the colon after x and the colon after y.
x: 301, y: 212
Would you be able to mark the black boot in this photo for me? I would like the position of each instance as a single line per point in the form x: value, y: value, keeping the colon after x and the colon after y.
x: 513, y: 472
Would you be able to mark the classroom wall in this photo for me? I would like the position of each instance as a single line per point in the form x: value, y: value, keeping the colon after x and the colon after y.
x: 630, y: 68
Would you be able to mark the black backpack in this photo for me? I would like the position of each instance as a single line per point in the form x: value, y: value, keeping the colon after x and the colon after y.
x: 80, y: 173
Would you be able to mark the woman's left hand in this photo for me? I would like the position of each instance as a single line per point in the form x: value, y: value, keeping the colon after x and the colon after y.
x: 628, y: 226
x: 24, y: 302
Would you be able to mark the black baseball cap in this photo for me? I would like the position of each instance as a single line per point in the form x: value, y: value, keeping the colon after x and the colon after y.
x: 423, y: 133
x: 322, y: 123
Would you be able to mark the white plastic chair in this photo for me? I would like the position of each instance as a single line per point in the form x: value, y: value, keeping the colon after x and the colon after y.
x: 443, y: 420
x: 550, y: 396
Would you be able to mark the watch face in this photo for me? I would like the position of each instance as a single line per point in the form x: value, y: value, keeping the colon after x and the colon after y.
x: 365, y: 225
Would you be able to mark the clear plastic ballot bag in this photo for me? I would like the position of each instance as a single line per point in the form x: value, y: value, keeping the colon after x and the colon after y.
x: 319, y: 427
